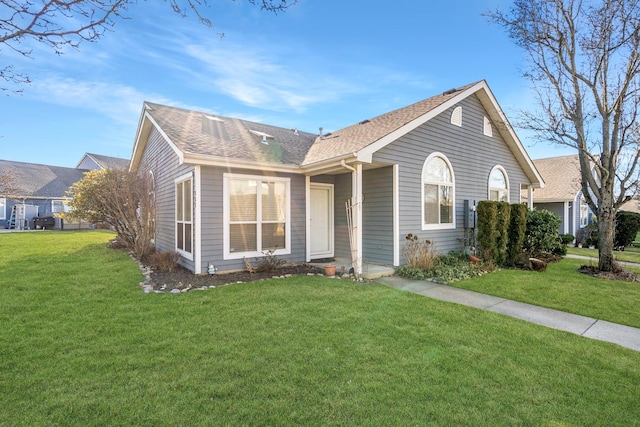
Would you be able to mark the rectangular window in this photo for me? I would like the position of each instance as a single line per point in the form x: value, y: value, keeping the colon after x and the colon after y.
x: 184, y: 223
x: 3, y: 208
x: 59, y: 206
x: 438, y: 204
x: 257, y: 209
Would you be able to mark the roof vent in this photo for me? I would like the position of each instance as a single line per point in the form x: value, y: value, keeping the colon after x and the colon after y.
x: 364, y: 122
x: 456, y: 116
x: 450, y: 92
x: 215, y: 119
x: 264, y: 136
x: 295, y: 131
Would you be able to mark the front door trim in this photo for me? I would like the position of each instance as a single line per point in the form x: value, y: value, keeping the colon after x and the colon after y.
x: 329, y: 252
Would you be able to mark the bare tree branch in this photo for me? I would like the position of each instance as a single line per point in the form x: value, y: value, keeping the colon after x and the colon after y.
x: 61, y: 24
x: 584, y: 63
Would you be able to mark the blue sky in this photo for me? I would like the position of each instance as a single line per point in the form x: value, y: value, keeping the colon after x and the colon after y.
x: 323, y: 63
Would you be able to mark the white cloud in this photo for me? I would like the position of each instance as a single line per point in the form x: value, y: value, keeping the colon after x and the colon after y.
x: 260, y: 79
x: 118, y: 102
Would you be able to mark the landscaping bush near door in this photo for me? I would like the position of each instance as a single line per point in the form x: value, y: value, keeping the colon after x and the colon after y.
x: 487, y: 228
x: 542, y: 235
x: 517, y: 233
x: 627, y: 226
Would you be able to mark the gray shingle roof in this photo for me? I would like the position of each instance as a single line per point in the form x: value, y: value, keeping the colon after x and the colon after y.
x: 35, y: 180
x: 108, y: 162
x: 561, y: 176
x: 201, y: 133
x: 356, y: 137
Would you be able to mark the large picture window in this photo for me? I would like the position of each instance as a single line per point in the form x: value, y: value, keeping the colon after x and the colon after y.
x: 257, y: 212
x: 498, y: 185
x: 438, y: 196
x: 184, y: 217
x: 3, y: 208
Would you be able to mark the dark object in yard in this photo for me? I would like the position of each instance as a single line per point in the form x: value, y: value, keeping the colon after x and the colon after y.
x: 44, y: 222
x: 537, y: 264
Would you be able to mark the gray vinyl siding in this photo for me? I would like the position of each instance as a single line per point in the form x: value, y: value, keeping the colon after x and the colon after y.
x: 160, y: 158
x: 88, y: 163
x: 342, y: 193
x: 212, y: 187
x: 472, y: 156
x: 377, y: 215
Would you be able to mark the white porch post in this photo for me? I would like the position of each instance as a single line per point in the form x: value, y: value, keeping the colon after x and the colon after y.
x: 357, y: 186
x: 197, y: 235
x: 565, y: 218
x: 308, y: 216
x: 530, y: 197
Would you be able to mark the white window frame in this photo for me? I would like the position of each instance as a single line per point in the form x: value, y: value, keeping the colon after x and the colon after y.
x: 3, y: 208
x: 227, y: 177
x: 506, y: 179
x: 65, y: 206
x: 584, y: 219
x: 180, y: 181
x: 439, y: 226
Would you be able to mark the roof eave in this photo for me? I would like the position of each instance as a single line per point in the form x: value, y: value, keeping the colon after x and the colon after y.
x: 505, y: 129
x: 143, y: 132
x: 209, y: 160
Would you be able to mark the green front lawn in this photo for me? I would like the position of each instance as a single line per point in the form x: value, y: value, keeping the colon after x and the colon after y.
x: 563, y: 288
x: 81, y: 344
x: 628, y: 255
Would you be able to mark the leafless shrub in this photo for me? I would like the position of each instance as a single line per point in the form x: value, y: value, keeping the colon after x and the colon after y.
x: 164, y: 261
x: 418, y: 253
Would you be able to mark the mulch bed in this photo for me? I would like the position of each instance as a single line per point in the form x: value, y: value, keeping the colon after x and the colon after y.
x: 183, y: 279
x: 618, y: 273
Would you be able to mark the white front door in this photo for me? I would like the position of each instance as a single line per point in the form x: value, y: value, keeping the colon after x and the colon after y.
x: 321, y: 220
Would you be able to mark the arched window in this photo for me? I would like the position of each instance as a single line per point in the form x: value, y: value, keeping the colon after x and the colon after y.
x: 498, y: 185
x: 438, y: 195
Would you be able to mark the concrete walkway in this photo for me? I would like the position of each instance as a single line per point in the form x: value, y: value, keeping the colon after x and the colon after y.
x: 624, y: 336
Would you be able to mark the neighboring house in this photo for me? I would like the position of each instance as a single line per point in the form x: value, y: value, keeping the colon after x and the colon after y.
x: 92, y: 161
x: 228, y: 188
x: 632, y: 205
x: 40, y: 190
x: 562, y: 193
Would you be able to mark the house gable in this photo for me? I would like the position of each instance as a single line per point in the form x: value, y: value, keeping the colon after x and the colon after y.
x: 92, y: 161
x: 472, y: 156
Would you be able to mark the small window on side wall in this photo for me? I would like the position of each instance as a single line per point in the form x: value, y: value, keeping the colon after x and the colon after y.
x: 184, y: 217
x: 584, y: 213
x: 498, y: 185
x: 438, y: 195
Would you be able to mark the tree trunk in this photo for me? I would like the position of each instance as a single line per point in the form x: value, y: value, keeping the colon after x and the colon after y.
x: 606, y: 227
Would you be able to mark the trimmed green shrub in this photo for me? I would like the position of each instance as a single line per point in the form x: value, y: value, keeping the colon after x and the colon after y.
x: 542, y: 235
x: 567, y: 238
x: 503, y: 215
x: 627, y: 226
x: 487, y: 224
x: 517, y: 232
